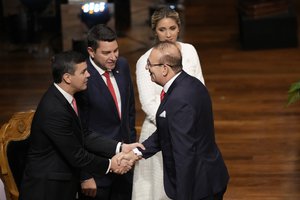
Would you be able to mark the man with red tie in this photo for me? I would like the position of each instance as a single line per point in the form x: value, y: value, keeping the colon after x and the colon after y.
x: 192, y: 162
x: 108, y: 106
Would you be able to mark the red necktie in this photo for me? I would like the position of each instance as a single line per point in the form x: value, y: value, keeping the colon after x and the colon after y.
x: 75, y: 106
x: 111, y: 89
x: 162, y: 95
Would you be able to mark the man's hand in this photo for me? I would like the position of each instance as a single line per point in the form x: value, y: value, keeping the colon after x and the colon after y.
x: 131, y: 157
x: 120, y: 163
x: 123, y: 162
x: 89, y: 187
x: 126, y: 148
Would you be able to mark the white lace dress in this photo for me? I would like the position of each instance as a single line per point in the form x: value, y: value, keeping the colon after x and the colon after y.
x: 148, y: 174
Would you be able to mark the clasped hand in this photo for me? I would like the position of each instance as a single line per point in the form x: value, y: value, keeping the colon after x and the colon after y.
x: 122, y: 162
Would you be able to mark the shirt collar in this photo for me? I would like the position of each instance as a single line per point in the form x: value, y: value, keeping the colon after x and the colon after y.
x: 99, y: 70
x: 64, y: 93
x: 169, y: 83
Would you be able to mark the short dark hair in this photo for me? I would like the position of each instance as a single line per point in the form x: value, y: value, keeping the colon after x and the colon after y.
x: 173, y: 60
x: 100, y: 32
x: 65, y: 62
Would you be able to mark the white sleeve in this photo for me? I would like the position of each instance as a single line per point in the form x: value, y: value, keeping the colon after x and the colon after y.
x: 191, y: 62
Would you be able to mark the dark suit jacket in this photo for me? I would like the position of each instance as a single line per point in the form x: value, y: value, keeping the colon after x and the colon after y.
x: 99, y: 112
x: 57, y: 154
x: 193, y: 165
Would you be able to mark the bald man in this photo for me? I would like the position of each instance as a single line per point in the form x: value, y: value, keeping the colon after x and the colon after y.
x: 193, y: 165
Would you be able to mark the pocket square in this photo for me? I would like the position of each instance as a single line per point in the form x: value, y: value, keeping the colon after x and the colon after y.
x: 163, y: 114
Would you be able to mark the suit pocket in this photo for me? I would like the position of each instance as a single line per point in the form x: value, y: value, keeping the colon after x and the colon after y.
x: 59, y: 176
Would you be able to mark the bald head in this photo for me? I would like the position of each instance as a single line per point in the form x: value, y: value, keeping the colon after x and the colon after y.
x: 164, y: 62
x: 169, y: 54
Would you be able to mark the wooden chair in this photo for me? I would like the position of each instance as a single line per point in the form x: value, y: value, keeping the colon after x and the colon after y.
x: 13, y: 148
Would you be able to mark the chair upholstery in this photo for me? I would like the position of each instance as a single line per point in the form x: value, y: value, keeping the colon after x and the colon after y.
x: 13, y: 147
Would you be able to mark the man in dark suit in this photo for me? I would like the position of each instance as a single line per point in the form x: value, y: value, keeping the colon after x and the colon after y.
x: 108, y: 105
x: 193, y: 166
x: 57, y: 152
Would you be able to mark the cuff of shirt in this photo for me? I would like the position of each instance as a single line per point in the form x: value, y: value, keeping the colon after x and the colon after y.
x: 118, y: 148
x: 108, y: 169
x: 137, y: 152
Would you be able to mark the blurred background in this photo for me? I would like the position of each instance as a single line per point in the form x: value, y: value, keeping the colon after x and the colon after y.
x: 249, y: 55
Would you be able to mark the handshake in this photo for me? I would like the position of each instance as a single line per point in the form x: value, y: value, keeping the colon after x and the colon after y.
x: 122, y: 162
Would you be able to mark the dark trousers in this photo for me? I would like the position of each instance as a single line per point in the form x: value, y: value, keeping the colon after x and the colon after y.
x: 120, y: 189
x: 217, y: 196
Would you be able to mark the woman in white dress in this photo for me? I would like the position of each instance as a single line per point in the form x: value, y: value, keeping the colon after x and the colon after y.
x: 148, y: 174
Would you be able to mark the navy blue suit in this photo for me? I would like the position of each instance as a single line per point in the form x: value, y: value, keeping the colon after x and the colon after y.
x: 193, y: 165
x: 100, y: 114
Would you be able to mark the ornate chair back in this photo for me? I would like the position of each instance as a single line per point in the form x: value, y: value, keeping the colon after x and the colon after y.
x: 13, y: 148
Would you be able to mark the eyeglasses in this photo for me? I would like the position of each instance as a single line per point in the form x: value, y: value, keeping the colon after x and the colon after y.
x: 149, y: 65
x: 153, y: 65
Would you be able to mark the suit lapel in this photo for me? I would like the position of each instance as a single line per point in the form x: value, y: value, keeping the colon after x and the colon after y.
x: 104, y: 92
x: 66, y: 105
x: 121, y: 85
x: 169, y: 93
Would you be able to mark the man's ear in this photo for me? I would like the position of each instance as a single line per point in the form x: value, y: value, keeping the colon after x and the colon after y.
x: 67, y: 78
x: 165, y: 70
x: 91, y: 52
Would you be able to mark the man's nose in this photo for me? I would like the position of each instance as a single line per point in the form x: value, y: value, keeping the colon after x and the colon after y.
x: 113, y: 56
